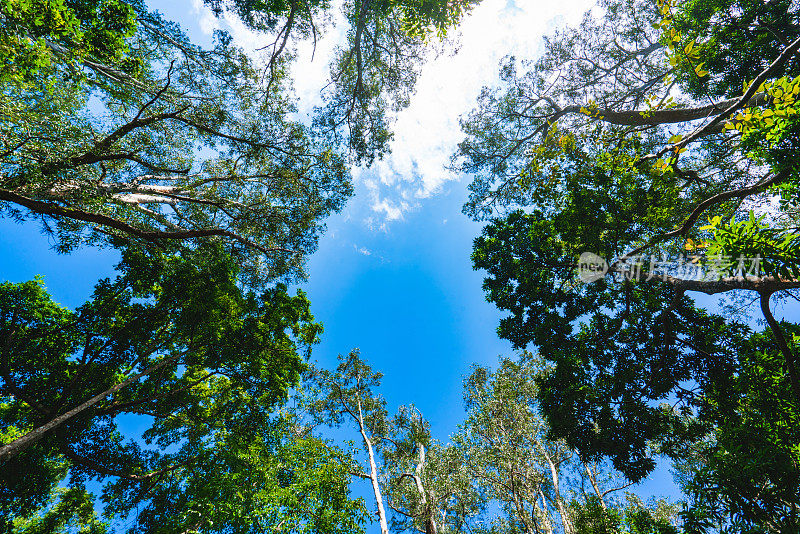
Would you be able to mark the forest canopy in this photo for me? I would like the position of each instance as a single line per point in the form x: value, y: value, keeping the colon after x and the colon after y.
x: 660, y: 141
x: 116, y: 126
x: 637, y: 183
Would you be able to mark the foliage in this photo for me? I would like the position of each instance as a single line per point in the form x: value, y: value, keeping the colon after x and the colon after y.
x: 212, y: 362
x: 608, y: 91
x: 618, y: 142
x: 746, y: 473
x: 115, y: 124
x: 428, y: 486
x: 251, y: 481
x: 498, y: 473
x: 778, y: 249
x: 74, y: 508
x: 733, y: 38
x: 90, y: 30
x: 191, y: 144
x: 634, y: 518
x: 503, y: 446
x: 638, y: 365
x: 373, y: 72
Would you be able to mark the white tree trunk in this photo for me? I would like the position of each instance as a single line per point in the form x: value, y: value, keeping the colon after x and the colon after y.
x: 563, y: 511
x: 430, y: 521
x: 373, y: 472
x: 548, y: 524
x: 593, y: 480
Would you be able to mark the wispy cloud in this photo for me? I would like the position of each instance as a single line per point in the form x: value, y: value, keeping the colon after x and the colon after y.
x: 246, y: 38
x: 426, y: 133
x: 392, y: 210
x: 362, y: 250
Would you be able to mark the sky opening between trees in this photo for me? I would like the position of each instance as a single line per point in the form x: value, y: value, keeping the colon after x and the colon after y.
x: 632, y: 199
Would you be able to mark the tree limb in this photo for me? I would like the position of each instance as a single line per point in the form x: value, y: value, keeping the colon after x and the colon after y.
x: 12, y: 449
x: 46, y: 208
x: 777, y: 331
x: 689, y: 222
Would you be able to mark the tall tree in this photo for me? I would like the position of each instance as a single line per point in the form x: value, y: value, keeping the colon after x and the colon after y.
x: 503, y: 446
x: 176, y: 340
x: 163, y: 142
x: 413, y: 479
x: 622, y: 140
x: 425, y: 479
x: 529, y: 483
x: 114, y: 123
x: 346, y: 396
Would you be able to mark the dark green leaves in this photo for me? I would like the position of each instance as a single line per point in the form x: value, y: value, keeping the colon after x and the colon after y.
x: 215, y: 362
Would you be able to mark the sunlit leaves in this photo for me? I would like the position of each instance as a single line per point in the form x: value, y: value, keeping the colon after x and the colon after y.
x: 777, y: 250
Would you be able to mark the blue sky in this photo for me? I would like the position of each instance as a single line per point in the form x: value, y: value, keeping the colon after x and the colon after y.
x: 392, y: 275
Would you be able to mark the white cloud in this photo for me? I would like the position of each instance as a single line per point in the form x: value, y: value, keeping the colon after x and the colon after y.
x: 311, y: 70
x: 427, y: 132
x: 362, y: 250
x: 246, y: 38
x: 393, y: 210
x: 205, y: 17
x: 375, y: 226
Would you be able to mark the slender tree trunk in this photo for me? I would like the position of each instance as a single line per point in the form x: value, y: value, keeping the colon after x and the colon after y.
x: 10, y: 450
x: 783, y: 345
x: 529, y: 521
x: 593, y: 481
x: 560, y: 505
x: 373, y: 472
x: 430, y: 522
x: 548, y: 523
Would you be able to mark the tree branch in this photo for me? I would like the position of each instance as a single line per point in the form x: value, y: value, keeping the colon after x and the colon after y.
x: 791, y: 362
x: 742, y: 101
x: 12, y: 449
x: 46, y: 208
x: 689, y: 222
x: 664, y: 116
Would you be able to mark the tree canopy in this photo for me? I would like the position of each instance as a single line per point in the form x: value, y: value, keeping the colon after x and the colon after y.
x: 116, y: 125
x: 649, y: 155
x: 118, y: 130
x: 174, y: 341
x: 499, y: 473
x: 658, y: 141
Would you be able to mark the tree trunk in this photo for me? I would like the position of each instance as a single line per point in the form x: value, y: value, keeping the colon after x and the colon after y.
x: 373, y: 472
x: 10, y: 450
x: 783, y: 345
x: 548, y: 524
x: 560, y: 505
x: 430, y: 522
x: 593, y: 480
